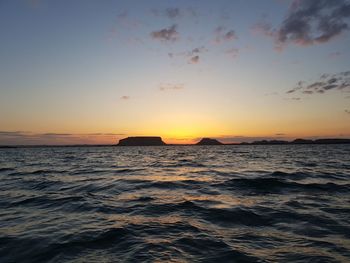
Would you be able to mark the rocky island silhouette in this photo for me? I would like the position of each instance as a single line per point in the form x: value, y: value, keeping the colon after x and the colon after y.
x: 157, y: 141
x: 209, y: 141
x: 142, y: 141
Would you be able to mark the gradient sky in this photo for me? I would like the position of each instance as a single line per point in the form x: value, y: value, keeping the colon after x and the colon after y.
x: 95, y: 71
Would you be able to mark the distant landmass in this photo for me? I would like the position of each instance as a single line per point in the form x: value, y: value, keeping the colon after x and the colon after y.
x: 209, y: 141
x: 298, y: 141
x: 142, y: 141
x: 157, y: 141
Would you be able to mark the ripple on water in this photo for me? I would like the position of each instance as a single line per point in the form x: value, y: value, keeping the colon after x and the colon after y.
x: 175, y: 204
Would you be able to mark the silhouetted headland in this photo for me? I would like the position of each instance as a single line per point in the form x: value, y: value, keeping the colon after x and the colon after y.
x: 209, y: 141
x: 142, y: 141
x: 298, y: 141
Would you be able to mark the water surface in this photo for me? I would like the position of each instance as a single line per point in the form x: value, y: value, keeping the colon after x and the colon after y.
x: 281, y: 203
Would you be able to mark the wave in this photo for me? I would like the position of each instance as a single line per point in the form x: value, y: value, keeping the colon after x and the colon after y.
x: 175, y: 204
x: 38, y: 172
x: 6, y: 169
x: 272, y: 184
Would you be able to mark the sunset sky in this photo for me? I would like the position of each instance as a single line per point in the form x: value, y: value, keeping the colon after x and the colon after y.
x: 75, y: 72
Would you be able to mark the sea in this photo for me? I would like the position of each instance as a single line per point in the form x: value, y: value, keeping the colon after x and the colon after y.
x: 230, y: 203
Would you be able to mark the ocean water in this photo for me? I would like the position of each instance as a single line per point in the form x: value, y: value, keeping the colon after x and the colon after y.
x: 175, y: 204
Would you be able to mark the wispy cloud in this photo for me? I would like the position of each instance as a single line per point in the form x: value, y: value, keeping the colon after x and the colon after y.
x: 309, y: 22
x: 56, y: 134
x: 170, y: 86
x: 347, y: 111
x: 32, y: 138
x: 192, y: 56
x: 326, y: 82
x: 125, y: 97
x: 197, y: 51
x: 166, y: 34
x: 13, y: 133
x: 221, y: 34
x: 194, y: 60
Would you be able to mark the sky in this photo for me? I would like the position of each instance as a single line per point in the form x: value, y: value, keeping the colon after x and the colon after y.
x: 93, y: 72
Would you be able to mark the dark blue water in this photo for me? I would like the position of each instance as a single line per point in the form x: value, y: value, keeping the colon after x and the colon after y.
x: 175, y: 204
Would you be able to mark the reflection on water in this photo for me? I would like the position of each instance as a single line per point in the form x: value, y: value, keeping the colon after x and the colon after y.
x: 175, y: 204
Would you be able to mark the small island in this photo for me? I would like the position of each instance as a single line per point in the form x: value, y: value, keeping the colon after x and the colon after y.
x: 209, y: 141
x: 141, y: 141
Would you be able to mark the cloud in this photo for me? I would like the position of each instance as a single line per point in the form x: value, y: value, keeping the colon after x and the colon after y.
x: 166, y: 34
x: 347, y: 111
x: 56, y: 134
x: 51, y: 138
x: 223, y: 35
x: 309, y: 22
x: 230, y: 35
x: 326, y: 82
x: 194, y: 54
x: 191, y: 56
x: 194, y: 60
x: 105, y: 134
x: 125, y: 97
x: 197, y: 50
x: 12, y: 133
x: 169, y: 86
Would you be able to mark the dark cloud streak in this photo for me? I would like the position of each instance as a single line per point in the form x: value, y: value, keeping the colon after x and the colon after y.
x: 326, y: 82
x: 51, y: 138
x: 169, y: 86
x: 166, y: 34
x: 309, y: 22
x: 194, y: 60
x: 223, y: 35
